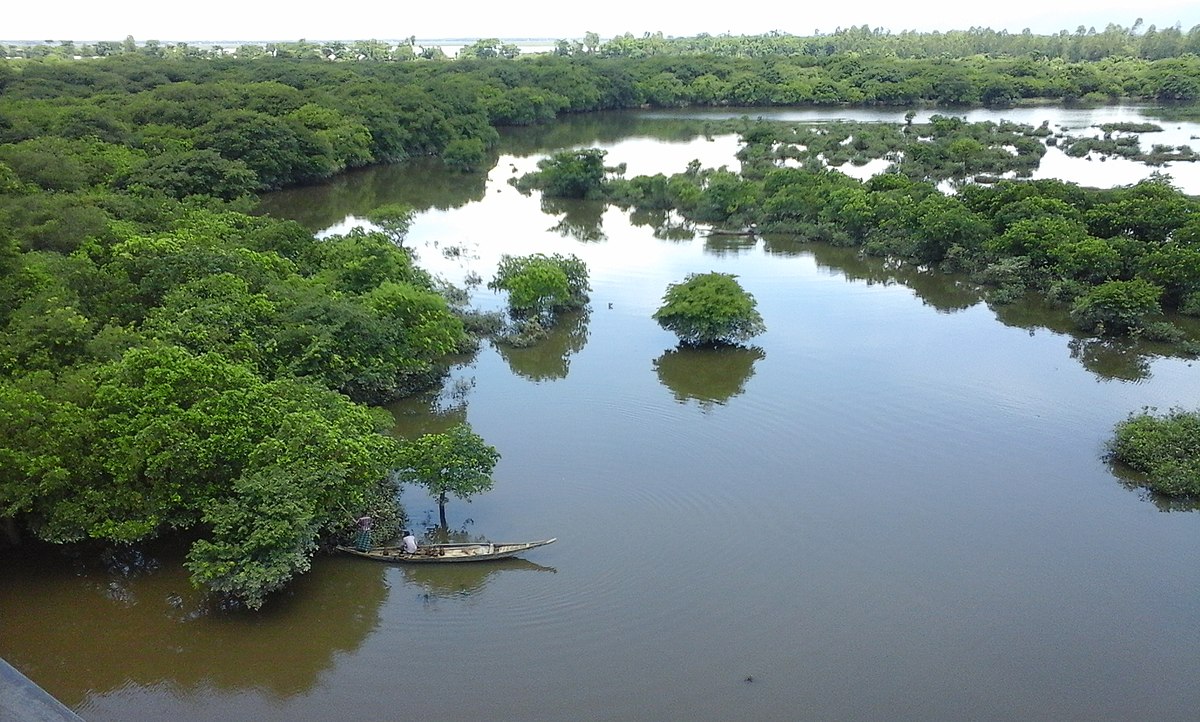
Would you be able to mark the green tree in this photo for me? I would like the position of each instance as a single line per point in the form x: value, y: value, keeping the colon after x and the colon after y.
x: 542, y: 285
x: 570, y: 174
x: 710, y: 309
x: 1165, y: 448
x: 269, y: 146
x: 465, y: 154
x: 482, y: 49
x: 457, y: 462
x: 164, y: 440
x: 194, y: 172
x: 1116, y: 308
x: 394, y: 219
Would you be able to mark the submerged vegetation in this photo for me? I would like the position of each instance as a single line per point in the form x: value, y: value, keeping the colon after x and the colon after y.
x: 1118, y: 258
x: 170, y: 362
x: 710, y: 309
x: 1164, y: 448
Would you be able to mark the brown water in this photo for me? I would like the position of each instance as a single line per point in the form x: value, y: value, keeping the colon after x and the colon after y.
x: 893, y: 505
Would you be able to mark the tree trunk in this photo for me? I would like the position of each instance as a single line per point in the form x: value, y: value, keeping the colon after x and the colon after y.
x: 442, y: 511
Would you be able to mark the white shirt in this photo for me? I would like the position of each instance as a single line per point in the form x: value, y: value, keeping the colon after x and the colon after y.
x: 410, y: 544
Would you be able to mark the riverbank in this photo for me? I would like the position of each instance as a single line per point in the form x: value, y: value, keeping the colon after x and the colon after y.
x: 22, y: 699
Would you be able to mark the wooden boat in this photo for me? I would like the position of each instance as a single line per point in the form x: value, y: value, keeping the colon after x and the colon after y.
x: 443, y: 553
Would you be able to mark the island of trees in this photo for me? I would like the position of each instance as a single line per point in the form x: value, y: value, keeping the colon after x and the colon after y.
x: 171, y: 363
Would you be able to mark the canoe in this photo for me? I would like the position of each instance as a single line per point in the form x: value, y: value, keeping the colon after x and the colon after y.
x: 443, y: 553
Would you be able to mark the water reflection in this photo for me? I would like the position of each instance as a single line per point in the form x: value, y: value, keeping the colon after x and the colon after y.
x: 1135, y: 482
x: 550, y: 358
x: 581, y: 220
x: 665, y: 225
x: 707, y: 375
x: 449, y: 581
x: 729, y: 244
x: 127, y: 628
x: 1111, y: 359
x: 433, y: 411
x: 1107, y: 358
x: 574, y: 131
x: 942, y: 291
x: 1033, y: 311
x: 422, y: 183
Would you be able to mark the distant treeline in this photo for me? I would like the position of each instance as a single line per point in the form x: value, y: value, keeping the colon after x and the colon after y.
x: 288, y: 121
x: 1084, y: 43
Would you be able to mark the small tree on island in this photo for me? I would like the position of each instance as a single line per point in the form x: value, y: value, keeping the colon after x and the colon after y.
x: 577, y: 174
x: 542, y: 285
x: 457, y: 462
x: 1165, y: 448
x: 710, y: 309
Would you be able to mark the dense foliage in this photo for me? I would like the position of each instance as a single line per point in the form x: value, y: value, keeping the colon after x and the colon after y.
x: 1164, y: 448
x: 541, y: 284
x: 709, y: 309
x: 164, y: 439
x: 575, y: 174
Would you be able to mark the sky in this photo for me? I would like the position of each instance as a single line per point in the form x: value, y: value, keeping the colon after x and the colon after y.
x: 392, y: 19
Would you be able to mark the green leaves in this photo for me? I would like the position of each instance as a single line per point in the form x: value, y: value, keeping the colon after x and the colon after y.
x: 1166, y: 448
x: 1116, y: 308
x: 710, y: 309
x: 542, y: 285
x: 262, y: 536
x: 569, y: 174
x: 457, y: 462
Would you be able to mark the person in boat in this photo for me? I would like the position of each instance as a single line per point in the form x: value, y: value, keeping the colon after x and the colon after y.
x: 363, y: 541
x: 409, y: 542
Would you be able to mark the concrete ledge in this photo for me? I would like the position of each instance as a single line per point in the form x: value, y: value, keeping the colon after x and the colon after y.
x: 23, y: 701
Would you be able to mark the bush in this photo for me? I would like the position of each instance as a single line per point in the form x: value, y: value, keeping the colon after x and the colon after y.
x: 1117, y: 308
x: 709, y: 309
x: 569, y: 174
x: 1165, y: 448
x: 541, y: 284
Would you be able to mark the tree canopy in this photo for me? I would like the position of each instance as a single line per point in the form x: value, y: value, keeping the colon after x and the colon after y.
x: 569, y: 174
x: 542, y: 284
x: 163, y: 439
x: 1164, y: 448
x: 457, y: 462
x: 709, y: 309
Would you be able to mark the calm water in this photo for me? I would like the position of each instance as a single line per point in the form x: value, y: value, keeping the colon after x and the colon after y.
x: 893, y: 506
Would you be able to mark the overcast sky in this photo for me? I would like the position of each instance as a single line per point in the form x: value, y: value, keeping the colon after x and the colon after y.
x: 366, y: 19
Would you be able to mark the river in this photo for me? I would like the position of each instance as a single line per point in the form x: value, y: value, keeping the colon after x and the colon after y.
x: 893, y: 505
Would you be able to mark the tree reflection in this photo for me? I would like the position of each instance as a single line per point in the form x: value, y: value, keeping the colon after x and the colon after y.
x: 422, y: 183
x: 729, y: 244
x: 588, y: 129
x: 666, y: 225
x: 581, y: 220
x: 944, y: 292
x: 550, y: 358
x: 786, y: 245
x: 1033, y: 312
x: 432, y: 412
x: 112, y: 628
x: 707, y: 375
x: 1119, y: 359
x: 1110, y: 359
x: 1135, y: 482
